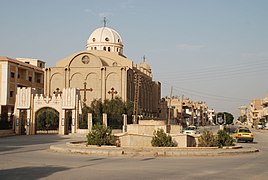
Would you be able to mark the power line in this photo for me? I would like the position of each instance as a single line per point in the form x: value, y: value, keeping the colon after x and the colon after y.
x: 207, y: 95
x: 217, y: 73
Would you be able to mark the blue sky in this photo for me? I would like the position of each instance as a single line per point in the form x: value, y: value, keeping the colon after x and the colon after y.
x: 211, y: 50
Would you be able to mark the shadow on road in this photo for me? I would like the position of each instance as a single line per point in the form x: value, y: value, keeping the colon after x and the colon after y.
x: 17, y: 142
x: 29, y: 173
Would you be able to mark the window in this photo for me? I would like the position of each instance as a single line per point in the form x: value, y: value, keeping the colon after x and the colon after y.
x: 93, y: 39
x: 95, y: 48
x: 104, y: 48
x: 12, y: 74
x: 27, y: 62
x: 115, y: 64
x: 85, y: 59
x: 11, y: 93
x: 109, y: 49
x: 106, y: 39
x: 30, y: 78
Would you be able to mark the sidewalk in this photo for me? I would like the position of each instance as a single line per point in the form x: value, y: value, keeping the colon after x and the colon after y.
x: 150, y: 151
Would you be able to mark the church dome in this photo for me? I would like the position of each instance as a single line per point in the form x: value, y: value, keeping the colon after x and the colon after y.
x: 105, y: 39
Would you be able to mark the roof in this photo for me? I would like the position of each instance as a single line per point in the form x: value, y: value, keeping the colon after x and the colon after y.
x: 15, y: 61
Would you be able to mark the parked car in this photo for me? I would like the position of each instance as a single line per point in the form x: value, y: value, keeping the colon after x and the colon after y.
x: 243, y: 134
x: 260, y: 125
x: 190, y: 130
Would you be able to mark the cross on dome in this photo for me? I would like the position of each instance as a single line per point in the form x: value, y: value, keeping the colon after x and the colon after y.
x: 105, y: 39
x: 105, y: 21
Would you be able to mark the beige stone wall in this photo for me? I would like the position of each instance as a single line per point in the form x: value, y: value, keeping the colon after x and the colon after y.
x: 144, y: 129
x: 148, y: 127
x: 152, y: 122
x: 135, y: 140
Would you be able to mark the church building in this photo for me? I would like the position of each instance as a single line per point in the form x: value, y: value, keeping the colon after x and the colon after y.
x: 102, y: 71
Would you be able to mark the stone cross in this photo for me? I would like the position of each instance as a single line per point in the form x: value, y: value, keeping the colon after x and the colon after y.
x: 113, y: 92
x: 57, y: 92
x: 85, y: 91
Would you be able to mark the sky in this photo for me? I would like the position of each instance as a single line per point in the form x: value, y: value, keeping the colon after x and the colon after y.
x: 214, y: 51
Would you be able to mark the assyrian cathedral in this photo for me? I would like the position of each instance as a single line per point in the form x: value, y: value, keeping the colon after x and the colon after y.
x: 102, y: 71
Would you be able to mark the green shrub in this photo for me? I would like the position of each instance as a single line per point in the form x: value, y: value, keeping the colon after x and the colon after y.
x: 224, y: 139
x: 100, y: 135
x: 207, y: 139
x: 161, y: 139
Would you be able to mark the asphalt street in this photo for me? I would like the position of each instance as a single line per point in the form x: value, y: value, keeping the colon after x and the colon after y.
x: 28, y: 157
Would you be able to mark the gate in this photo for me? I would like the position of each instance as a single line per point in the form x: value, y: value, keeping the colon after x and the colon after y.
x: 47, y: 121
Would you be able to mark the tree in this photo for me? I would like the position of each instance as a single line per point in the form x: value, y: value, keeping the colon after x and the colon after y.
x: 161, y: 139
x: 207, y: 139
x: 224, y: 139
x: 83, y: 119
x: 228, y: 118
x: 100, y: 135
x: 96, y: 109
x: 114, y: 109
x: 47, y: 119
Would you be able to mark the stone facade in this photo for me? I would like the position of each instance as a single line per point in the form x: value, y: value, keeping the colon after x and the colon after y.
x: 103, y: 72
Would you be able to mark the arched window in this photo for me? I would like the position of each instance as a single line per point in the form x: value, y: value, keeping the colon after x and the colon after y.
x: 109, y: 49
x: 104, y: 48
x: 95, y: 48
x: 115, y: 64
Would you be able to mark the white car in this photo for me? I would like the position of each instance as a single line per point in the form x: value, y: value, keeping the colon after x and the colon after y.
x: 260, y: 126
x: 190, y: 130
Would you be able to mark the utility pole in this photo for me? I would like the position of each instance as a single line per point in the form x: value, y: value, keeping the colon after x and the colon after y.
x: 137, y: 83
x: 182, y: 114
x: 169, y: 113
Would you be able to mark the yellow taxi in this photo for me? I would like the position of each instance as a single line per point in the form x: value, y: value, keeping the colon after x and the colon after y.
x: 243, y: 134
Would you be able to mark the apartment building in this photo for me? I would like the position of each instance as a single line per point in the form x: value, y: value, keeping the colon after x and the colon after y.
x: 189, y: 112
x: 21, y: 72
x: 255, y: 112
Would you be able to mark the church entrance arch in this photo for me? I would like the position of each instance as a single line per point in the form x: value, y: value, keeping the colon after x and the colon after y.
x: 47, y: 121
x: 58, y: 113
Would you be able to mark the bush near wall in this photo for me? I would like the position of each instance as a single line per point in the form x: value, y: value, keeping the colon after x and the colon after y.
x: 100, y: 135
x: 207, y: 139
x: 161, y: 139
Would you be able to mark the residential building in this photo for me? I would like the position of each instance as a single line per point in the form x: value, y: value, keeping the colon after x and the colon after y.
x: 17, y: 73
x: 189, y: 112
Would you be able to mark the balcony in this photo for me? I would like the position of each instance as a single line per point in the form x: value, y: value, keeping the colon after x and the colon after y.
x: 265, y: 101
x: 265, y: 111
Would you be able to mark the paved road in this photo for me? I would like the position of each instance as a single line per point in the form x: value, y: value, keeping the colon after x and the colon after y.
x: 27, y: 157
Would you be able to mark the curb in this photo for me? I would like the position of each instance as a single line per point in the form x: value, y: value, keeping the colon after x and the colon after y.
x: 150, y: 151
